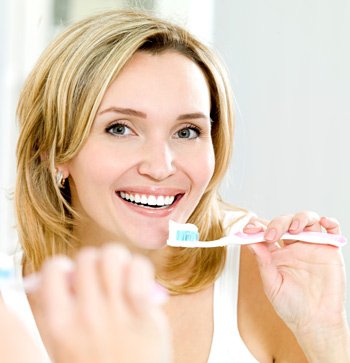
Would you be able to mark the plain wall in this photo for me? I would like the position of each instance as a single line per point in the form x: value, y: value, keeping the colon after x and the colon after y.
x: 289, y: 67
x: 24, y: 32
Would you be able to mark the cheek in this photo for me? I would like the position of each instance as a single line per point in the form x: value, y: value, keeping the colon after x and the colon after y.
x: 202, y: 168
x: 90, y: 171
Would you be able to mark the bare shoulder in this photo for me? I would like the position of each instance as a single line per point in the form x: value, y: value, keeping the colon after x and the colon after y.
x: 264, y: 333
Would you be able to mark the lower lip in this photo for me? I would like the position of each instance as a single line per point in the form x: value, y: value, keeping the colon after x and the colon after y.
x: 150, y: 212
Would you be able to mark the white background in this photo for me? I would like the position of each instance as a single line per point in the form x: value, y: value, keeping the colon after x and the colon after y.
x: 289, y: 66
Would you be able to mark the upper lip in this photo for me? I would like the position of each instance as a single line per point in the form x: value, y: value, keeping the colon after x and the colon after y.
x: 156, y: 191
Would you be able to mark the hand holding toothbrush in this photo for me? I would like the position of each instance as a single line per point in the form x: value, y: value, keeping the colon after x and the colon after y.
x: 305, y: 283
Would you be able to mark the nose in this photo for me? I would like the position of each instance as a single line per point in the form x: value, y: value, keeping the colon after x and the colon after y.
x: 157, y: 161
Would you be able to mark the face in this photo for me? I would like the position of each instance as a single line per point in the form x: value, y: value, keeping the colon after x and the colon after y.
x: 149, y: 156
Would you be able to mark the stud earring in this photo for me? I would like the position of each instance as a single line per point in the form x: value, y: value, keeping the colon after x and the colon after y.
x: 59, y: 179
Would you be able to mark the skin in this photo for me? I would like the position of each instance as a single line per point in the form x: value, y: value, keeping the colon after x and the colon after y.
x: 13, y: 334
x: 117, y: 285
x: 149, y: 157
x: 299, y: 272
x: 109, y: 280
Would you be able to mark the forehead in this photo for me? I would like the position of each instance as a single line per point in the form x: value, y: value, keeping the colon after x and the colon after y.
x: 165, y: 78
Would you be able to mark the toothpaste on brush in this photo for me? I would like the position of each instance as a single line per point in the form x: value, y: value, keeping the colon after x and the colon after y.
x: 186, y: 235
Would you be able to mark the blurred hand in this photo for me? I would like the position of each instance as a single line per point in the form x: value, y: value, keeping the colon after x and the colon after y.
x: 102, y: 308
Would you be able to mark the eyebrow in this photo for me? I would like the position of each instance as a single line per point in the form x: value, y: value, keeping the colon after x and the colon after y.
x: 132, y: 112
x: 125, y: 111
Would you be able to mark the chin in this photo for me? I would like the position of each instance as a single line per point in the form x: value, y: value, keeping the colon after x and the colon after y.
x: 151, y: 236
x: 151, y: 243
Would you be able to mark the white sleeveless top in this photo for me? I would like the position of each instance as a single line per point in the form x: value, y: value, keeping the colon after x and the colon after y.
x: 16, y: 300
x: 227, y: 344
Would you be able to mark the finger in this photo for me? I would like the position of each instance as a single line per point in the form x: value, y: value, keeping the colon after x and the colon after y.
x: 277, y: 227
x: 140, y: 285
x: 254, y: 226
x: 331, y: 225
x: 114, y: 260
x: 86, y: 282
x: 54, y: 291
x: 305, y: 221
x: 53, y: 282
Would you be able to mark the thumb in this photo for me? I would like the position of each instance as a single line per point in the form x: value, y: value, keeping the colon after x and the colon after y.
x: 270, y: 276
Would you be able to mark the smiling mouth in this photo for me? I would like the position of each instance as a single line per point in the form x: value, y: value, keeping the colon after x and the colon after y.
x: 150, y: 201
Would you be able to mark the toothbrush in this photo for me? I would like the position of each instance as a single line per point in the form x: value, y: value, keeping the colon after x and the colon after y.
x: 186, y: 235
x: 10, y: 280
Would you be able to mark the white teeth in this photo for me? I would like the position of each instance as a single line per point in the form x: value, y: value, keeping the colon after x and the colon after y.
x: 150, y: 200
x: 169, y: 200
x: 160, y: 201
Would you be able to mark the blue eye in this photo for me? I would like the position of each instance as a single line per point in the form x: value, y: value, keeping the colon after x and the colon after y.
x: 118, y: 129
x: 189, y: 132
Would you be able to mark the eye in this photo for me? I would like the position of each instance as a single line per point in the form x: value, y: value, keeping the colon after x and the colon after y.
x: 188, y: 132
x: 119, y: 129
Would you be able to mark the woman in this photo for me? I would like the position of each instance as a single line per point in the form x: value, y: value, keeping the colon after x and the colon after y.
x: 127, y: 122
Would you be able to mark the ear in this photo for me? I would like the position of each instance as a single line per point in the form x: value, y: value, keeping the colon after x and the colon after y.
x: 61, y: 175
x: 63, y: 168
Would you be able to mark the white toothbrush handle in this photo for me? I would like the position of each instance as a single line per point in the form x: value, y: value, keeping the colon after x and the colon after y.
x: 244, y: 239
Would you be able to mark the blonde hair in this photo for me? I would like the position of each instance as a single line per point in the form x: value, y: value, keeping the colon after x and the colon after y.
x: 57, y: 107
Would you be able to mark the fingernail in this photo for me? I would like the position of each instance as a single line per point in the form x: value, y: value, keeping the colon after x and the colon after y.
x: 250, y: 225
x: 64, y: 262
x: 294, y: 226
x: 160, y: 294
x: 270, y: 234
x: 31, y: 282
